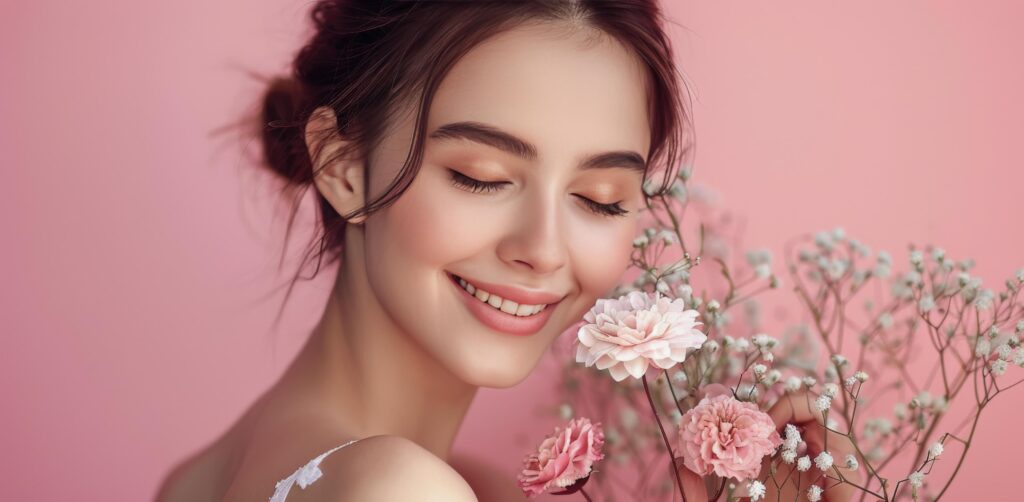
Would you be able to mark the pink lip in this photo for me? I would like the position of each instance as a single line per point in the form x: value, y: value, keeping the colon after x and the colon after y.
x: 504, y: 322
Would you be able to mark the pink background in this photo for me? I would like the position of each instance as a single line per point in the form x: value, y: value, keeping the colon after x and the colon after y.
x: 137, y: 247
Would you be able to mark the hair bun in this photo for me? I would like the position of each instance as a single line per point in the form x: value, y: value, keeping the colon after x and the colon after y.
x: 284, y: 149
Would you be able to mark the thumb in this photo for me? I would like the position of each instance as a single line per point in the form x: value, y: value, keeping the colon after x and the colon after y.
x: 693, y: 484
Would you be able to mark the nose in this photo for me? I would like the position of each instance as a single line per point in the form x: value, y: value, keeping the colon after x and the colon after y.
x: 536, y: 239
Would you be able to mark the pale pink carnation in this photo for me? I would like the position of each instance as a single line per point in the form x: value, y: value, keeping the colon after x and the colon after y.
x: 562, y: 458
x: 726, y: 437
x: 639, y: 329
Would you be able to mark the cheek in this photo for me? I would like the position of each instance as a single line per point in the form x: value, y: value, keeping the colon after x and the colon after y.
x: 433, y: 225
x: 600, y: 255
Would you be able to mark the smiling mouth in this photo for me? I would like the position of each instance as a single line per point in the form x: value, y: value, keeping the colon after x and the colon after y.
x: 497, y: 302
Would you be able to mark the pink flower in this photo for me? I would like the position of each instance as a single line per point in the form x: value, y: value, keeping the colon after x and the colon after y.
x: 636, y: 330
x: 726, y: 437
x: 564, y: 458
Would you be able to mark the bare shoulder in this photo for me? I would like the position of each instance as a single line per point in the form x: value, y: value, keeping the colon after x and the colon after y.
x: 385, y: 468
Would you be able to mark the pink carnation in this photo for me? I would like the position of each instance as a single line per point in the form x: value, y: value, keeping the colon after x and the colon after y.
x: 628, y: 334
x: 726, y: 437
x: 564, y: 458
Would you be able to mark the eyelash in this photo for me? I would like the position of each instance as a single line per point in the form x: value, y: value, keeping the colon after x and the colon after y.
x: 478, y: 186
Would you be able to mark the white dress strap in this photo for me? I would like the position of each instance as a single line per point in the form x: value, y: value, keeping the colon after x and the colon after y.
x: 304, y: 475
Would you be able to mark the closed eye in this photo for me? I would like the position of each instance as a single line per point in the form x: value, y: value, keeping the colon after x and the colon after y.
x: 473, y: 185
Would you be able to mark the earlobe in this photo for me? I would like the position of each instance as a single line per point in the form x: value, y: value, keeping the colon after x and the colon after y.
x: 340, y: 179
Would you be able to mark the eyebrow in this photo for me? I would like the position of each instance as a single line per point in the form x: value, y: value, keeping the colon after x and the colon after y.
x: 492, y: 136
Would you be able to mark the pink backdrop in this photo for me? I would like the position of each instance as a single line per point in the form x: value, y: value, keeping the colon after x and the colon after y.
x: 136, y: 247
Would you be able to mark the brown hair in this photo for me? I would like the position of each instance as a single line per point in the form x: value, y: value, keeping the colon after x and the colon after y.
x: 366, y: 57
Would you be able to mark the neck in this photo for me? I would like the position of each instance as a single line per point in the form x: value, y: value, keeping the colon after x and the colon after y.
x: 375, y: 376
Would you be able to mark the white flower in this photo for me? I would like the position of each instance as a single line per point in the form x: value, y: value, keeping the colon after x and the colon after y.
x: 885, y: 320
x: 993, y: 332
x: 916, y: 479
x: 763, y: 341
x: 762, y: 270
x: 680, y: 376
x: 809, y: 381
x: 640, y: 242
x: 1018, y: 357
x: 900, y: 410
x: 756, y: 490
x: 830, y: 389
x: 851, y: 462
x: 1004, y: 351
x: 761, y: 260
x: 1019, y: 328
x: 814, y: 493
x: 823, y: 461
x: 788, y: 456
x: 565, y: 411
x: 924, y: 398
x: 983, y: 348
x: 862, y: 376
x: 803, y: 463
x: 824, y: 241
x: 792, y: 437
x: 741, y: 345
x: 639, y: 329
x: 998, y: 367
x: 823, y: 403
x: 916, y: 258
x: 760, y: 369
x: 936, y: 449
x: 927, y: 303
x: 884, y: 426
x: 836, y: 268
x: 984, y: 299
x: 793, y: 383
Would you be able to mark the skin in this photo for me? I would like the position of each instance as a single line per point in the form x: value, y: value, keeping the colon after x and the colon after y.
x: 396, y: 357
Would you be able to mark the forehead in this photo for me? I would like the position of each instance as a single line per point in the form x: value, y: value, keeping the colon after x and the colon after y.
x: 567, y: 93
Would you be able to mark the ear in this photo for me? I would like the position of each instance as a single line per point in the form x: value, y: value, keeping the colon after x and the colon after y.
x: 339, y: 179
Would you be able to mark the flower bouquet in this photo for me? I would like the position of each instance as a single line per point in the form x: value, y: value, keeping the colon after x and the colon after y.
x: 749, y: 416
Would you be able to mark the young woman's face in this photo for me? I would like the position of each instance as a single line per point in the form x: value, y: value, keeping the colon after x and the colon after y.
x: 559, y: 130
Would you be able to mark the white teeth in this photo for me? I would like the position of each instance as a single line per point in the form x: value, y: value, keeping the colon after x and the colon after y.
x: 507, y: 306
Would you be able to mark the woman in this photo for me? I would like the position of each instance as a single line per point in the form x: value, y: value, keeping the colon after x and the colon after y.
x: 479, y: 167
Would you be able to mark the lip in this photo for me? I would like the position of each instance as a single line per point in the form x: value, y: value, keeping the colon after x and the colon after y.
x: 517, y: 295
x: 501, y: 321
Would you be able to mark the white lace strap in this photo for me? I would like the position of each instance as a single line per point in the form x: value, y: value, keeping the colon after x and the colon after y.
x: 304, y: 475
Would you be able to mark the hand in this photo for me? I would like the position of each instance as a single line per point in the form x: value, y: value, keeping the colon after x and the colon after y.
x: 793, y: 409
x: 693, y: 485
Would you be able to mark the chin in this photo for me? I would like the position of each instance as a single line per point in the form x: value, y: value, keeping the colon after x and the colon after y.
x: 499, y: 374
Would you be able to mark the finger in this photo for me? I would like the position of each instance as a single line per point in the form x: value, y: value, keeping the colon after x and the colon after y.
x: 693, y: 485
x: 794, y: 408
x: 839, y: 446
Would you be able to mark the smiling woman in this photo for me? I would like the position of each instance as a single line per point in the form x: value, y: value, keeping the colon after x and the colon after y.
x: 479, y: 167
